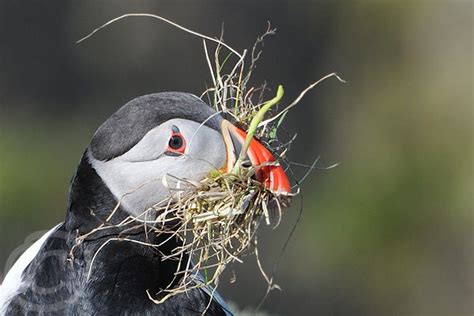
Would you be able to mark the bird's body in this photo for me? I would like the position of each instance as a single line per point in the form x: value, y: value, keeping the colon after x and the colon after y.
x: 121, y: 170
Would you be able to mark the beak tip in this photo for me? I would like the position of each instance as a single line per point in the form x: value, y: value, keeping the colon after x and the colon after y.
x: 278, y: 181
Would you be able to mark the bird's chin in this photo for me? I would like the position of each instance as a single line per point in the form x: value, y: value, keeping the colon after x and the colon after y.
x: 267, y: 169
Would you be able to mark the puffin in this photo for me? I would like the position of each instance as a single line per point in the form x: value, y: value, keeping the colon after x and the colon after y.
x: 121, y: 171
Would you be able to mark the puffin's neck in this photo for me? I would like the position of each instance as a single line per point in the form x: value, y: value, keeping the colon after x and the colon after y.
x: 90, y: 202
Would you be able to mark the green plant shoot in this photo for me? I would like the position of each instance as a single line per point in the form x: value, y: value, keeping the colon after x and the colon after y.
x: 254, y: 125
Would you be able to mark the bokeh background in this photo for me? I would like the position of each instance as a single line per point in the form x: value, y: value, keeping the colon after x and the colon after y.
x: 388, y: 232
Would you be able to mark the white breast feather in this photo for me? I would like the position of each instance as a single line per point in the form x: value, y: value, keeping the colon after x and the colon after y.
x: 12, y: 282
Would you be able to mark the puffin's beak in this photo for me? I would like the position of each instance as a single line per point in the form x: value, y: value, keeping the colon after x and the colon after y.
x: 267, y: 169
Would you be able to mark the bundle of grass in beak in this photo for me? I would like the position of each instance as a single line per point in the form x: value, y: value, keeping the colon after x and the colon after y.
x: 217, y: 219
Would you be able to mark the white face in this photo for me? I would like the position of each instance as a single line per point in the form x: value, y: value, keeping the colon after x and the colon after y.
x: 136, y: 177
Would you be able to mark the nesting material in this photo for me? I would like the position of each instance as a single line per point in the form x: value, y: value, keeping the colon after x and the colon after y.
x: 217, y: 219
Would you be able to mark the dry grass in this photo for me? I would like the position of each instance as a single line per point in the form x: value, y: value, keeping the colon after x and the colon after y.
x: 217, y: 219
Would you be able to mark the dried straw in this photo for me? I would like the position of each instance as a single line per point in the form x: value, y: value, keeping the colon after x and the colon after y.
x: 216, y: 220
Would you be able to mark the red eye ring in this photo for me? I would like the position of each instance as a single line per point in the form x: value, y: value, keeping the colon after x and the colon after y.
x: 176, y: 143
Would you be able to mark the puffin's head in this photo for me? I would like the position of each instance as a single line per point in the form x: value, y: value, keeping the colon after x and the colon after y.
x: 173, y: 134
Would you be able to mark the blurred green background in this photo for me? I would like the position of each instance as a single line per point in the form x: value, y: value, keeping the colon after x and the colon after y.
x: 388, y: 232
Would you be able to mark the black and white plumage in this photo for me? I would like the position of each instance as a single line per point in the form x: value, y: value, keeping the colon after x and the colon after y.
x: 148, y: 138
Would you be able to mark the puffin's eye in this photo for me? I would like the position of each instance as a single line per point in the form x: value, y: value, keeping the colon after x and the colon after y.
x: 176, y: 144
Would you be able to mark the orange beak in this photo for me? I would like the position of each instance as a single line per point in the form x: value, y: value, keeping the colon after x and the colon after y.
x: 267, y: 169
